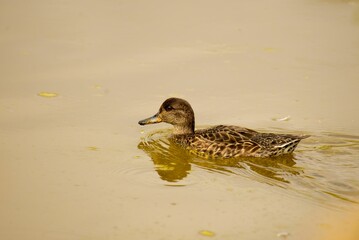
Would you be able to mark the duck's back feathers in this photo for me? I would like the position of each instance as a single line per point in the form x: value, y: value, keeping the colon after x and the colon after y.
x: 234, y: 141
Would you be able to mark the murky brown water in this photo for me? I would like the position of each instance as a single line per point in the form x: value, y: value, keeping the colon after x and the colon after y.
x: 75, y: 165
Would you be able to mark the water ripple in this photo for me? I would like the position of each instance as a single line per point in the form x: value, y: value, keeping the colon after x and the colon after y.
x: 323, y: 169
x: 171, y: 163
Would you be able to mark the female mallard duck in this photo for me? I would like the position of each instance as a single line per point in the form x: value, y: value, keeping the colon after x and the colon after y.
x: 220, y: 141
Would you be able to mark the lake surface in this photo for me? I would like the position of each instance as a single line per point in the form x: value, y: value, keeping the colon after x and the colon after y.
x: 77, y: 76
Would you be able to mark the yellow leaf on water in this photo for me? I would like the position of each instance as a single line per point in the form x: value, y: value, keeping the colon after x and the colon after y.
x: 47, y: 94
x: 92, y: 148
x: 207, y: 233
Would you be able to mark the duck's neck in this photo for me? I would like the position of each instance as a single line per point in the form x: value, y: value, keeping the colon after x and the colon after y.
x: 184, y: 129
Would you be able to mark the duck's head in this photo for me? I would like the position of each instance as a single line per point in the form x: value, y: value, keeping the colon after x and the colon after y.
x: 177, y: 112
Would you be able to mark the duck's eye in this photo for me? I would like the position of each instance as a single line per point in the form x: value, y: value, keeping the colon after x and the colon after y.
x: 168, y: 108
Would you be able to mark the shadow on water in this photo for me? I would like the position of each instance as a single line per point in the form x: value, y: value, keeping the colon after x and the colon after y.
x: 322, y: 168
x: 173, y: 163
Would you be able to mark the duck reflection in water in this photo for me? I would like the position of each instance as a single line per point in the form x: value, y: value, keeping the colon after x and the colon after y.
x: 173, y: 163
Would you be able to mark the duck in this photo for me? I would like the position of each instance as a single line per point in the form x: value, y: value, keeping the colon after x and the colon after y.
x: 221, y: 141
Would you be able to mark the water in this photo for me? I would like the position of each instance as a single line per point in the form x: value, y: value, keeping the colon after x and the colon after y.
x: 311, y: 173
x: 77, y: 76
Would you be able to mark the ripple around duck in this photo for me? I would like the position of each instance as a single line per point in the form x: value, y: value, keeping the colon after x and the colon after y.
x: 323, y: 169
x: 171, y: 163
x: 331, y: 169
x: 169, y: 174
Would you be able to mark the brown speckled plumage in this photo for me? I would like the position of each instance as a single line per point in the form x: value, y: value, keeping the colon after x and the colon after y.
x: 220, y: 141
x: 233, y: 141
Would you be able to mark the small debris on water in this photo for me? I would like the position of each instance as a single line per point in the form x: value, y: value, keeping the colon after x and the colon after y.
x: 47, y: 94
x: 287, y: 118
x: 283, y: 235
x: 207, y: 233
x: 92, y: 148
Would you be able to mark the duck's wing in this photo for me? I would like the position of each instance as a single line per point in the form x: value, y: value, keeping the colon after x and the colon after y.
x: 278, y: 143
x: 225, y: 141
x: 264, y: 140
x: 226, y: 134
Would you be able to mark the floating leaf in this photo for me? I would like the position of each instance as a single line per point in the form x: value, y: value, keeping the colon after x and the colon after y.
x: 287, y: 118
x: 207, y: 233
x: 47, y: 94
x: 92, y: 148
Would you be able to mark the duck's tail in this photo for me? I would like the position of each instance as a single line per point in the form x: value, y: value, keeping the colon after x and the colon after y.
x: 303, y: 136
x: 289, y: 146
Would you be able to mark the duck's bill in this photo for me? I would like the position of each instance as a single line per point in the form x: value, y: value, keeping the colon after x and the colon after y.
x: 151, y: 120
